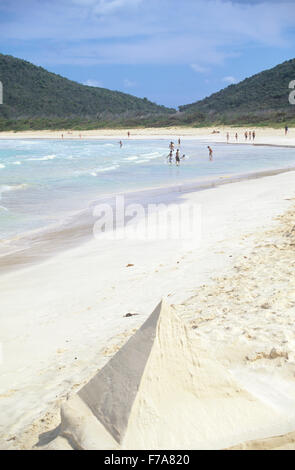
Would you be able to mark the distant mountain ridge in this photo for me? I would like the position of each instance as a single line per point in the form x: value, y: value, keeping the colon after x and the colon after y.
x: 37, y: 99
x: 262, y: 94
x: 30, y: 91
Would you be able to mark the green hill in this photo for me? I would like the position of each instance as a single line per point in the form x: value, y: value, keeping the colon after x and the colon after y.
x: 262, y: 97
x: 37, y: 97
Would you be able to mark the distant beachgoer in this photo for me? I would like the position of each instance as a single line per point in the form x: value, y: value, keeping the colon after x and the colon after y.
x: 179, y: 141
x: 170, y: 156
x: 128, y: 133
x: 246, y: 135
x: 121, y: 144
x: 177, y: 158
x: 227, y: 137
x: 183, y: 157
x: 237, y: 137
x: 250, y: 135
x: 253, y: 135
x: 62, y: 136
x: 210, y: 153
x: 171, y: 145
x: 286, y: 130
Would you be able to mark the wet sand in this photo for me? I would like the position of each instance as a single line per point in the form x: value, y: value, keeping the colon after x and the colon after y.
x: 39, y: 245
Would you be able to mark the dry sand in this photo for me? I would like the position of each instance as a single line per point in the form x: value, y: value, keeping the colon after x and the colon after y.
x: 69, y: 317
x: 218, y: 369
x: 264, y: 135
x: 170, y: 389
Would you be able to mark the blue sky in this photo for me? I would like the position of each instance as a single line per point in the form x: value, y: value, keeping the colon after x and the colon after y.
x: 170, y: 51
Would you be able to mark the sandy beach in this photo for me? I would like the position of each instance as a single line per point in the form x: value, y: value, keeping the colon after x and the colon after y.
x: 233, y: 292
x: 264, y: 135
x: 147, y: 273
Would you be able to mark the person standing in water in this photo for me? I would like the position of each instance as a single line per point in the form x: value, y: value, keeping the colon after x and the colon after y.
x: 169, y: 157
x: 179, y: 141
x: 121, y: 144
x: 171, y: 146
x: 253, y: 135
x: 210, y: 153
x: 237, y: 137
x: 177, y: 158
x: 227, y: 137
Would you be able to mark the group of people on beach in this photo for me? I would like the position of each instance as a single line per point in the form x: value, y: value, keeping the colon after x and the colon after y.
x: 177, y: 157
x: 251, y: 135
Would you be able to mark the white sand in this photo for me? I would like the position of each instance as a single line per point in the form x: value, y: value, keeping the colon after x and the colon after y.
x: 58, y: 318
x: 184, y: 398
x: 264, y: 135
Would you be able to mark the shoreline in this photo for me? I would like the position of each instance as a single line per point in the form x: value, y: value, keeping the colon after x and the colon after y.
x: 77, y: 322
x: 264, y: 135
x: 55, y: 239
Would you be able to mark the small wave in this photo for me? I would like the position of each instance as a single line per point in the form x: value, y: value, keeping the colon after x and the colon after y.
x: 16, y: 163
x: 142, y: 161
x: 151, y: 156
x: 41, y: 159
x: 131, y: 158
x: 1, y: 165
x: 12, y: 187
x: 2, y: 208
x: 102, y: 170
x: 28, y: 142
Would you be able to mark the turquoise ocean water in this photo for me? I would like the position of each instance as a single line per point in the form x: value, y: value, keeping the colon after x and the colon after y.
x: 42, y: 182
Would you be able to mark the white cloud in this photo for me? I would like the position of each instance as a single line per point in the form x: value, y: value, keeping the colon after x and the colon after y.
x: 129, y: 83
x: 199, y: 68
x: 105, y: 7
x: 197, y: 32
x: 231, y: 80
x: 94, y: 83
